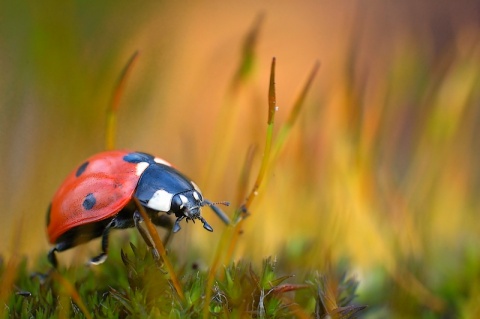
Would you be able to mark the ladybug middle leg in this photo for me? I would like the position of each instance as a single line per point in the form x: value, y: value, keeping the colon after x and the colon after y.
x: 124, y: 220
x: 114, y: 223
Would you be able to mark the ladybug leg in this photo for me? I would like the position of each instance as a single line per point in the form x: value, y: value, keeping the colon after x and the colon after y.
x: 176, y: 226
x: 106, y: 232
x: 52, y: 258
x: 164, y: 221
x: 205, y: 224
x: 62, y: 246
x: 137, y: 218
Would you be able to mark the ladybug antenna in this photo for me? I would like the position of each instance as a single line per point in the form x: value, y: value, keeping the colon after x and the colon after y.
x: 209, y: 203
x: 217, y: 210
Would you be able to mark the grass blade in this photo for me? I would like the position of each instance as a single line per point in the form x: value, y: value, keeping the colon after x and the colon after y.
x: 111, y: 128
x: 161, y: 249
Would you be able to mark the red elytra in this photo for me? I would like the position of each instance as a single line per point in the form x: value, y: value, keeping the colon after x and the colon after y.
x: 112, y: 179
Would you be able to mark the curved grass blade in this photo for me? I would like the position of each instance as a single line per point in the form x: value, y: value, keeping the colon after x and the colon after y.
x: 111, y: 126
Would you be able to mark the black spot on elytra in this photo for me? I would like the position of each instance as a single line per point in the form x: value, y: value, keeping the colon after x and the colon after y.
x: 49, y: 210
x: 138, y: 157
x: 89, y: 201
x: 81, y: 169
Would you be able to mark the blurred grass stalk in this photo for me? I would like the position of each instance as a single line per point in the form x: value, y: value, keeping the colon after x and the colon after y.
x: 398, y: 162
x: 225, y: 125
x: 9, y: 270
x: 224, y: 131
x: 112, y: 111
x: 231, y: 234
x: 404, y: 175
x: 386, y: 173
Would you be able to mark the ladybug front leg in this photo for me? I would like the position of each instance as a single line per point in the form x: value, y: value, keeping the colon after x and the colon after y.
x: 164, y: 221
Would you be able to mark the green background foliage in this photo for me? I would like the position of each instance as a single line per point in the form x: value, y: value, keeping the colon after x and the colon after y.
x: 380, y: 169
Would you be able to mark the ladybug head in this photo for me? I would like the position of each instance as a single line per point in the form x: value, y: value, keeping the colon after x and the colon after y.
x: 187, y: 205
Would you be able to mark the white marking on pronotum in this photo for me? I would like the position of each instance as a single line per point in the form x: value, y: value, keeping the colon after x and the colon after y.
x: 196, y: 196
x: 161, y: 201
x: 161, y: 161
x: 140, y: 168
x: 195, y: 186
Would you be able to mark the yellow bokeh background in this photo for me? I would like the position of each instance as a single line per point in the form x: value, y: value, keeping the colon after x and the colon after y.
x: 381, y: 167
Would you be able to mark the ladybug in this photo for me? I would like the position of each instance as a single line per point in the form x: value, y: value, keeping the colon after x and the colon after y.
x: 98, y: 197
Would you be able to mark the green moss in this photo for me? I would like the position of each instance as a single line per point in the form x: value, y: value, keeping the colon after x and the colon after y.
x: 130, y: 285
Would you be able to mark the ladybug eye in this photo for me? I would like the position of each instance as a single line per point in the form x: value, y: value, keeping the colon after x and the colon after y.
x: 177, y: 204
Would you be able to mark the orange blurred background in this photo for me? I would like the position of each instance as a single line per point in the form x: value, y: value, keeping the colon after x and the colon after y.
x: 381, y: 167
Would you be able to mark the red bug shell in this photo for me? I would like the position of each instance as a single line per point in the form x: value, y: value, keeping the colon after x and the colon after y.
x: 96, y: 190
